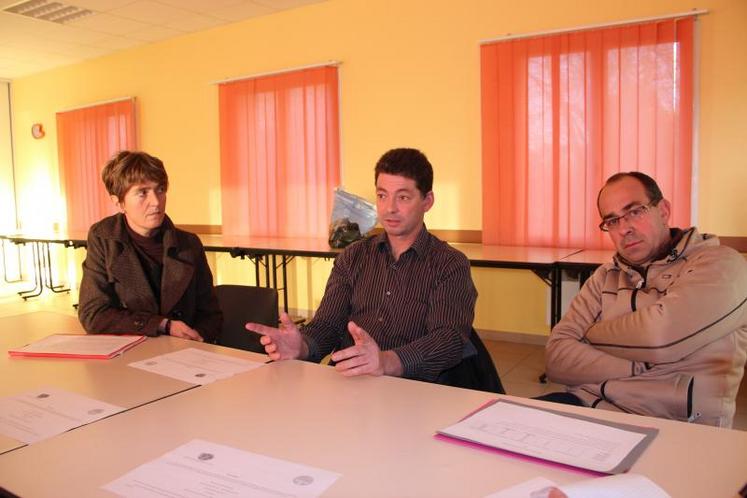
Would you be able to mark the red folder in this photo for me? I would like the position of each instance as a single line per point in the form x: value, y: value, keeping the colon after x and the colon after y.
x: 98, y: 346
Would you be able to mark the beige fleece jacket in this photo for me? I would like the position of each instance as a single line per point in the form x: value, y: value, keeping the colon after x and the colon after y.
x: 669, y: 341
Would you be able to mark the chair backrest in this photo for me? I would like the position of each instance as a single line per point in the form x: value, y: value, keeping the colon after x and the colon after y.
x: 737, y: 243
x: 241, y: 304
x: 474, y: 372
x: 489, y: 378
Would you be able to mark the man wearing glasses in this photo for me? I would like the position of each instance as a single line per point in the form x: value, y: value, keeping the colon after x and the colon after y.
x: 662, y: 329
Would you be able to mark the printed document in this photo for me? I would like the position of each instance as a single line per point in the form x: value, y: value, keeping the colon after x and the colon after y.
x: 202, y: 468
x: 556, y: 436
x: 196, y: 366
x: 533, y: 488
x: 47, y: 411
x: 617, y: 486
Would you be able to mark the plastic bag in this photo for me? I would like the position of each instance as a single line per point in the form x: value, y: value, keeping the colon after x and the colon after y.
x: 352, y: 218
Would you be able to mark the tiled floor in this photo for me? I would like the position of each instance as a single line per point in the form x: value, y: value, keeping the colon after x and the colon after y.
x: 519, y: 365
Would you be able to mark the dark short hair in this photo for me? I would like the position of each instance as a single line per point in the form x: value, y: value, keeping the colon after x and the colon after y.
x: 128, y: 168
x: 410, y: 163
x: 649, y: 185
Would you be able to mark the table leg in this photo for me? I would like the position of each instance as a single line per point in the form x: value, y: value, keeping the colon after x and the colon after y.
x: 583, y: 276
x: 255, y: 260
x: 273, y: 261
x: 283, y: 273
x: 50, y: 282
x: 556, y: 299
x: 38, y: 275
x: 556, y: 295
x: 5, y: 266
x: 286, y: 260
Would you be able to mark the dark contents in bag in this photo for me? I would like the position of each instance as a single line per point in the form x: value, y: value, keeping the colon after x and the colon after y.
x: 343, y: 232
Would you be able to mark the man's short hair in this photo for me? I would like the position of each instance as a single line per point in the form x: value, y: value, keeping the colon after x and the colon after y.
x: 649, y: 185
x: 410, y: 163
x: 128, y: 168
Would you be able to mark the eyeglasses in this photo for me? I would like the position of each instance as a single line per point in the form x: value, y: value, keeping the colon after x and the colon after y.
x: 633, y: 215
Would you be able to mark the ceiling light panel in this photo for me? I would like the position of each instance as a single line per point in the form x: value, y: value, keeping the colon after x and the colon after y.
x: 46, y: 10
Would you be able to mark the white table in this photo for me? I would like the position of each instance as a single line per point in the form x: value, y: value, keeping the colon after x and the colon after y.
x: 377, y: 432
x: 111, y: 381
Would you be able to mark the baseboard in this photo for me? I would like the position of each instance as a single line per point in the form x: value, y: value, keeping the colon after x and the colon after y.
x: 521, y: 338
x: 299, y: 313
x: 203, y: 229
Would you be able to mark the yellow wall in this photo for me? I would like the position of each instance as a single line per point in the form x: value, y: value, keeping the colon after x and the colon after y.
x: 409, y: 77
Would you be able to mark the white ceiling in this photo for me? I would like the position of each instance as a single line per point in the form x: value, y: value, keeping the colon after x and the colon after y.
x: 29, y: 45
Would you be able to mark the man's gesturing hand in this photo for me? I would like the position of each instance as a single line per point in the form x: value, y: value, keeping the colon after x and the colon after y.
x: 284, y: 343
x: 364, y: 357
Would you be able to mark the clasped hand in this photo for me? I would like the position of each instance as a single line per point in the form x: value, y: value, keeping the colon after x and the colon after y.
x: 184, y: 331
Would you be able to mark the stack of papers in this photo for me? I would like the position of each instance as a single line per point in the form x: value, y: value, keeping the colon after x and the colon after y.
x: 99, y: 346
x: 565, y: 438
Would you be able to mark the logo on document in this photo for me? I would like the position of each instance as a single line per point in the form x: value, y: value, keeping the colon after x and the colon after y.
x: 303, y: 480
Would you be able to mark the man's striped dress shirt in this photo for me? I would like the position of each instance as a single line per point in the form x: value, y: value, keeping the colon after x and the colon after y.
x: 421, y: 306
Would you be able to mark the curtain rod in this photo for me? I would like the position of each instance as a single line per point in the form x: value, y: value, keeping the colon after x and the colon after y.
x: 94, y: 104
x: 272, y: 73
x: 694, y: 12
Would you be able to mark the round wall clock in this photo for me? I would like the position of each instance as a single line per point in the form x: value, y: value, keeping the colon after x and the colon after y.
x: 37, y: 130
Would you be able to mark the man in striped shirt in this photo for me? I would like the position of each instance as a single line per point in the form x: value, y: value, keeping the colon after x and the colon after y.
x: 400, y: 303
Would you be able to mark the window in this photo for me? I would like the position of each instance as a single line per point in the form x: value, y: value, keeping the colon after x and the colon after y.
x: 87, y: 138
x: 7, y: 183
x: 562, y: 113
x: 279, y: 142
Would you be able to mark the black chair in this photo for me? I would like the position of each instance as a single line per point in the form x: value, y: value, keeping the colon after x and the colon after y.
x: 474, y: 372
x: 241, y: 304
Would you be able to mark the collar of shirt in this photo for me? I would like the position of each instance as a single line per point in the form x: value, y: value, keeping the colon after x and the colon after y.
x: 167, y: 231
x: 151, y: 247
x: 668, y: 253
x: 419, y: 247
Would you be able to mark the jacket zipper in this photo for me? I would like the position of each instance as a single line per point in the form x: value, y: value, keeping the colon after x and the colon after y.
x: 641, y: 283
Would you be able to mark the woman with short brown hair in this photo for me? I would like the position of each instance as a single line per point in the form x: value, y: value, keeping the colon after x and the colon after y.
x: 142, y: 275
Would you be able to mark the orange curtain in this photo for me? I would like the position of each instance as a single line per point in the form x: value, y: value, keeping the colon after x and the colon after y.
x: 86, y: 139
x: 279, y: 142
x: 562, y: 113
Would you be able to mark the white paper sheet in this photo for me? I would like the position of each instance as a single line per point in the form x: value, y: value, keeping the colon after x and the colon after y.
x: 47, y: 411
x: 202, y: 468
x: 526, y: 489
x: 196, y: 366
x: 542, y: 434
x: 617, y: 486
